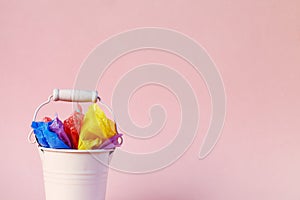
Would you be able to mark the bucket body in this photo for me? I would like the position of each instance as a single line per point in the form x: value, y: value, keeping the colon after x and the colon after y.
x: 75, y: 174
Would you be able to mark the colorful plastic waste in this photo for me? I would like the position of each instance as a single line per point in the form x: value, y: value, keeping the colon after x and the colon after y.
x: 84, y: 132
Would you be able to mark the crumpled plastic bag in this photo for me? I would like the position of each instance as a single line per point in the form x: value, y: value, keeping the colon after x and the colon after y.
x: 57, y: 126
x: 47, y: 138
x: 72, y: 127
x: 47, y: 119
x: 112, y: 142
x: 96, y: 128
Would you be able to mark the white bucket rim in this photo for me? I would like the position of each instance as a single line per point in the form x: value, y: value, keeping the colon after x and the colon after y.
x: 76, y: 150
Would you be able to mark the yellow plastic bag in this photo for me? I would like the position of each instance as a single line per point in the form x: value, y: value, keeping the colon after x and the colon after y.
x: 96, y: 128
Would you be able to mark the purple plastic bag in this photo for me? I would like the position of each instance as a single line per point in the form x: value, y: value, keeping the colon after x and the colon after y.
x: 112, y: 142
x: 57, y: 126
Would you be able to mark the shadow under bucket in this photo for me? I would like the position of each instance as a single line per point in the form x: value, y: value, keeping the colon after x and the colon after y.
x: 75, y: 174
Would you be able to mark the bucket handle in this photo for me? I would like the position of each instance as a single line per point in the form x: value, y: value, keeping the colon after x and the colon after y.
x: 69, y: 95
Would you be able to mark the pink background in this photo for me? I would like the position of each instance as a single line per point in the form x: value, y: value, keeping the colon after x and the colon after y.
x: 255, y: 45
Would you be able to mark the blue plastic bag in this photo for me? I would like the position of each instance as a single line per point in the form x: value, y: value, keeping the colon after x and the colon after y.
x: 47, y: 138
x: 38, y: 130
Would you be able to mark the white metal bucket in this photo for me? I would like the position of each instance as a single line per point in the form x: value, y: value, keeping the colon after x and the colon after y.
x: 75, y: 174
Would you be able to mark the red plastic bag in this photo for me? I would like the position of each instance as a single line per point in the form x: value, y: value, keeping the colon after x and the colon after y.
x: 72, y: 126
